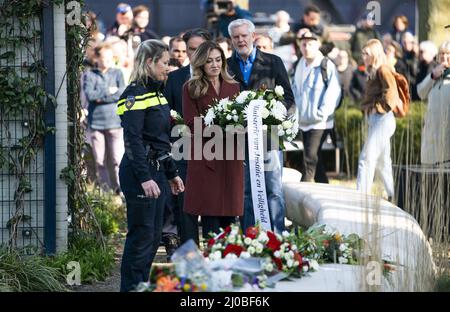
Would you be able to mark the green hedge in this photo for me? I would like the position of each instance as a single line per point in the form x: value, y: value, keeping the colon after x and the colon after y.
x: 405, y: 144
x: 109, y: 211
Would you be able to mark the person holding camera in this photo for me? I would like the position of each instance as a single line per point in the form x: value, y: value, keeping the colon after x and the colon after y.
x: 435, y: 88
x: 230, y: 11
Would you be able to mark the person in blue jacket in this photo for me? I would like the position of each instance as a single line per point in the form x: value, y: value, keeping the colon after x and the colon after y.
x: 147, y: 163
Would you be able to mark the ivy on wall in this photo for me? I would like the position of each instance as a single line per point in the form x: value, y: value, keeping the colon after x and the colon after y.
x: 21, y: 91
x: 82, y: 215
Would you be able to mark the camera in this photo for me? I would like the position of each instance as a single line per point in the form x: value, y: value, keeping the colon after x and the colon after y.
x: 222, y: 6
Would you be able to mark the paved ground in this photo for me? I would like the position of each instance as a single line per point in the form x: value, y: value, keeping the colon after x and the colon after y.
x: 112, y: 283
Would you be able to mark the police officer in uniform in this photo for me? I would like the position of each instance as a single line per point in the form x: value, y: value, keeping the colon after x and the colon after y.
x: 147, y: 164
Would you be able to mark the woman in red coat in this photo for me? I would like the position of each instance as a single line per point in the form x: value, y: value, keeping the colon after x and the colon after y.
x: 214, y: 188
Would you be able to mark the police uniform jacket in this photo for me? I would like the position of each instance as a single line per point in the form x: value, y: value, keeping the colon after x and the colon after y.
x: 145, y: 118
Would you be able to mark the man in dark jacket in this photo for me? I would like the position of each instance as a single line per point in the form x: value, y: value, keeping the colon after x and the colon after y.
x: 363, y: 33
x: 254, y: 69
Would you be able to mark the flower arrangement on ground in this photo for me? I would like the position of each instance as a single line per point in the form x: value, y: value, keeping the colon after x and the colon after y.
x: 280, y: 253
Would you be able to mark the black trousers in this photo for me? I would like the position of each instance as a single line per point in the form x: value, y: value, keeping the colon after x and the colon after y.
x: 314, y: 169
x: 145, y: 220
x: 213, y: 224
x: 187, y: 224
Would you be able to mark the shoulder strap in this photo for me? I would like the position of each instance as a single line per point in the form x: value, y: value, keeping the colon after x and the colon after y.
x: 323, y: 71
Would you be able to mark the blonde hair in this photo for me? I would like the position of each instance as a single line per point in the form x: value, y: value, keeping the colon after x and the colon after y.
x: 198, y: 85
x: 152, y: 49
x: 375, y: 49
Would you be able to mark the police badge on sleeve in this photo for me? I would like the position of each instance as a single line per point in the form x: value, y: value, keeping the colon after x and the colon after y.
x: 129, y: 102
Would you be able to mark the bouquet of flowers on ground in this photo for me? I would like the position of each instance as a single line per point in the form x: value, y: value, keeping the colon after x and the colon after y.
x: 232, y: 112
x: 164, y: 278
x: 278, y: 252
x: 324, y: 244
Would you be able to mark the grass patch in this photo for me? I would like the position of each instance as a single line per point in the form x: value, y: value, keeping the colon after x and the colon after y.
x: 96, y: 262
x: 443, y: 283
x: 24, y: 273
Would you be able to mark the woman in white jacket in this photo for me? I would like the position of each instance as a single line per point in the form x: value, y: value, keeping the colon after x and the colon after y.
x: 435, y: 88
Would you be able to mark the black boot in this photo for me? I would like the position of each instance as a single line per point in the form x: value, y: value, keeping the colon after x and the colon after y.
x: 171, y: 242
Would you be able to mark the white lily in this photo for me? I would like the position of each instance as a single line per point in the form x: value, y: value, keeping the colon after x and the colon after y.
x: 209, y: 118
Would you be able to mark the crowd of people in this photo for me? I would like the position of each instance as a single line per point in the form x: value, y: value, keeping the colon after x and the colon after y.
x: 134, y: 78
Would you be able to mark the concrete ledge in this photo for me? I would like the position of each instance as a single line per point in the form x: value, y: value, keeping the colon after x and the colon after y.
x: 391, y: 233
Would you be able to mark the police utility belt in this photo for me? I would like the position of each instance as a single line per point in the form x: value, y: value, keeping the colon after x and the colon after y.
x: 159, y: 160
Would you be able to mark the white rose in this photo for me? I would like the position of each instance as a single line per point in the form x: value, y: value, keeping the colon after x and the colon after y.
x: 234, y: 112
x: 173, y: 113
x: 342, y: 247
x: 342, y: 260
x: 272, y: 102
x: 231, y: 239
x: 245, y: 255
x: 242, y: 97
x: 285, y: 234
x: 251, y: 250
x: 259, y: 248
x: 277, y: 254
x: 294, y: 247
x: 235, y: 118
x: 290, y: 263
x: 279, y: 90
x: 230, y: 256
x: 313, y: 264
x: 229, y: 117
x: 265, y: 113
x: 305, y: 268
x: 217, y: 255
x: 288, y: 131
x: 287, y: 124
x: 263, y: 237
x: 281, y: 133
x: 247, y: 240
x: 268, y: 267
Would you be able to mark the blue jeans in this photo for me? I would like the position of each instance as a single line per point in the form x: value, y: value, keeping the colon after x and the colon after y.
x: 145, y: 221
x: 274, y: 190
x: 376, y: 154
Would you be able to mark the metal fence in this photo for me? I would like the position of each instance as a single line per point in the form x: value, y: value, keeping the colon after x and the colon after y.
x: 32, y: 206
